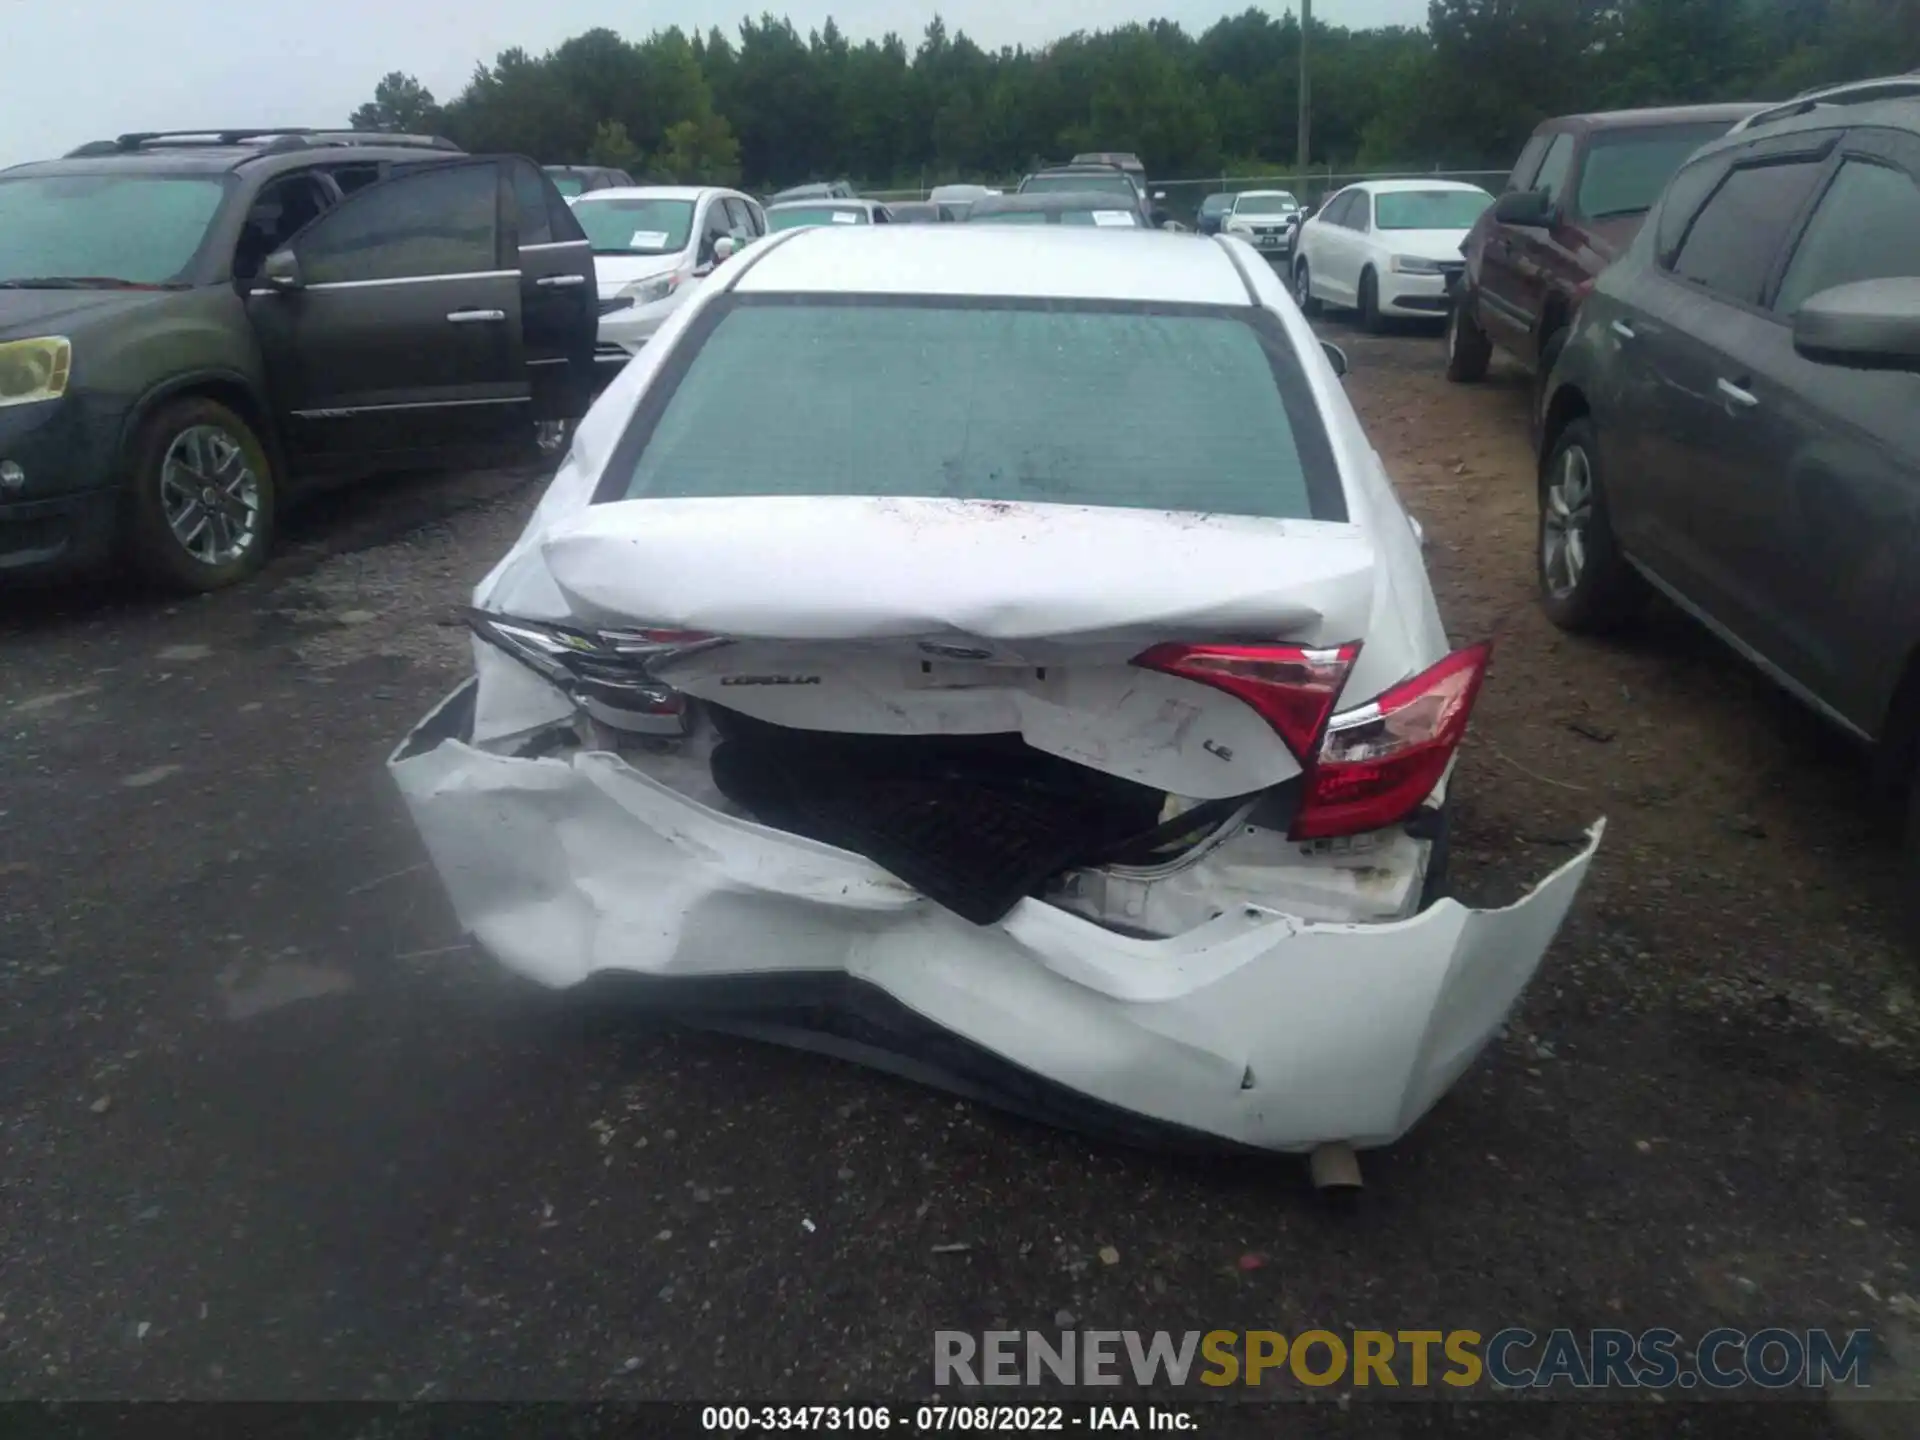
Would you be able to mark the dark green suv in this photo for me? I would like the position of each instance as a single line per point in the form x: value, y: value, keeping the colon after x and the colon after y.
x: 193, y: 326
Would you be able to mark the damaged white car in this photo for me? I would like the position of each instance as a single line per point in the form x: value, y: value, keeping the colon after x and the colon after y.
x: 997, y: 655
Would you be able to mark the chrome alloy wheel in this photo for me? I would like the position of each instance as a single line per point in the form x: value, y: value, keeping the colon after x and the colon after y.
x: 1564, y: 522
x: 210, y: 495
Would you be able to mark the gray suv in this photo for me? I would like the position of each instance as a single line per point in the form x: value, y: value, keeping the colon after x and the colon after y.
x: 1735, y: 420
x: 194, y: 326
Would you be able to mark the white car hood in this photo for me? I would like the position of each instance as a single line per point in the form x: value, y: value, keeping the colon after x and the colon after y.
x: 1422, y: 244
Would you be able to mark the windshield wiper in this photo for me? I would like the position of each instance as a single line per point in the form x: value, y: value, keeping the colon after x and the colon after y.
x: 85, y: 282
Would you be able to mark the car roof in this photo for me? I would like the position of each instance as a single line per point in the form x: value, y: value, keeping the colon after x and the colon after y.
x: 1391, y: 187
x: 221, y: 159
x: 1043, y: 262
x: 1653, y: 116
x: 1046, y: 200
x: 816, y: 202
x: 655, y: 192
x: 1259, y: 194
x: 1896, y: 114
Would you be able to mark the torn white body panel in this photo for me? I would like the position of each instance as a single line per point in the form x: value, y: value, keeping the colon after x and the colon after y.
x: 1256, y: 1026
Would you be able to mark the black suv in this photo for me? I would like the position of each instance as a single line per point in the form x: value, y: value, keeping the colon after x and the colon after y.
x: 193, y: 325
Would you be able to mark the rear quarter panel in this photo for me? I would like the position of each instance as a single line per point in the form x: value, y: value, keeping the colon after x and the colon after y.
x: 1405, y: 633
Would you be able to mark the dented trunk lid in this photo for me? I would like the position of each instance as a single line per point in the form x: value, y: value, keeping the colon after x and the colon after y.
x: 913, y: 616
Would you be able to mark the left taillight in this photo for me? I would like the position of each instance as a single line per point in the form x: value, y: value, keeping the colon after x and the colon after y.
x: 607, y: 672
x: 1377, y: 762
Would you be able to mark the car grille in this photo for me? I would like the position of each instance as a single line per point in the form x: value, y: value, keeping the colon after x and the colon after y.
x: 1452, y: 268
x: 615, y: 302
x: 608, y: 353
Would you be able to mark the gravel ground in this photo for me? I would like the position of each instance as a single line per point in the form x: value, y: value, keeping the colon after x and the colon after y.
x: 271, y: 1131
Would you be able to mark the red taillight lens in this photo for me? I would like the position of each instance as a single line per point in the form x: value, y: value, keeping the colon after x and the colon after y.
x: 1376, y: 763
x: 1291, y: 686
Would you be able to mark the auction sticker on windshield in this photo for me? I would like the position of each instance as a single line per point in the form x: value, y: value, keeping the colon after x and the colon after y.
x: 648, y: 240
x: 845, y: 217
x: 1122, y: 218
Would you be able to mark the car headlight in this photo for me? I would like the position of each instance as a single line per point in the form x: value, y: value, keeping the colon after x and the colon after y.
x: 35, y: 369
x: 652, y: 292
x: 1414, y: 265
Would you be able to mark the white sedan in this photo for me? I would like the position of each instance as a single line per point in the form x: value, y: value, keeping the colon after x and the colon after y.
x: 1265, y: 219
x: 651, y: 244
x: 1385, y: 247
x: 997, y: 654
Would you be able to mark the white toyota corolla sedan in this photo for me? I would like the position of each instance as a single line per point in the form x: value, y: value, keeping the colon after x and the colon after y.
x: 998, y: 655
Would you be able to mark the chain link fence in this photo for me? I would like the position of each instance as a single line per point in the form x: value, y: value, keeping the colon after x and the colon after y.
x: 1310, y: 187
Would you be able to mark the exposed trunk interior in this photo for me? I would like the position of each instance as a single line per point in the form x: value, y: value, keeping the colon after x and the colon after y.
x: 974, y: 822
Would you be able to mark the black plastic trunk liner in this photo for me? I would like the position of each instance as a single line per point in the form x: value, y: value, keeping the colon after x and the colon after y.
x: 973, y: 822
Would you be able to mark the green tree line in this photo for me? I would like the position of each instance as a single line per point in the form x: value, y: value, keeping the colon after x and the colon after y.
x: 770, y: 107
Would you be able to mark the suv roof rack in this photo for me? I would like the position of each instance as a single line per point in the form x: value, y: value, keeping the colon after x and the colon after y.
x: 278, y: 138
x: 1857, y: 92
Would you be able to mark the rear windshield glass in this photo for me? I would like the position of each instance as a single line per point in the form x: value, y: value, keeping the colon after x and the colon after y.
x: 635, y: 227
x: 1627, y: 169
x: 1055, y: 184
x: 1006, y: 217
x: 1429, y: 209
x: 1132, y: 406
x: 793, y: 217
x: 141, y: 229
x: 1266, y: 205
x: 567, y: 184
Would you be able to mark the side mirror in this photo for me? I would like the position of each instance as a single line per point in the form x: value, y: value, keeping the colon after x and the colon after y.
x: 1160, y: 217
x: 1336, y: 357
x: 281, y: 270
x: 723, y: 249
x: 1867, y: 325
x: 1529, y: 209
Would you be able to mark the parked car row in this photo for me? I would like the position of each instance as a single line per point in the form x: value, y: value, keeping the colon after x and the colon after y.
x: 1731, y: 416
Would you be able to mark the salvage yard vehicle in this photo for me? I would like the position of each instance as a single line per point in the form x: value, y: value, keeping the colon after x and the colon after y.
x: 1061, y: 207
x: 651, y: 245
x: 799, y: 214
x: 1268, y: 220
x: 1733, y: 419
x: 575, y: 180
x: 1086, y: 175
x: 1385, y: 247
x: 193, y: 325
x: 819, y: 190
x: 998, y: 656
x: 1575, y: 199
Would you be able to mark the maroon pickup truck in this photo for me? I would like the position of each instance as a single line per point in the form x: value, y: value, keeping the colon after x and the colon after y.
x: 1575, y: 199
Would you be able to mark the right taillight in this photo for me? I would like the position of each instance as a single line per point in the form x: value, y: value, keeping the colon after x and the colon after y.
x: 1376, y: 763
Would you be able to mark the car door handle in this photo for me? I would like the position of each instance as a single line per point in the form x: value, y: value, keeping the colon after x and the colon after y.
x: 560, y: 281
x: 1624, y: 330
x: 475, y: 317
x: 1736, y: 397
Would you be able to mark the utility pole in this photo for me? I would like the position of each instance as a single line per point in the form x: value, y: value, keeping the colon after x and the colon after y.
x: 1306, y: 100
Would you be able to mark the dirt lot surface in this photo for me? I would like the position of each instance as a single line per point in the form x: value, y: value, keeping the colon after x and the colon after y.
x: 268, y: 1129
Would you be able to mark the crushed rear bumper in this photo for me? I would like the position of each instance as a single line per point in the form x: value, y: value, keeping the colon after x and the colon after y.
x: 1256, y: 1028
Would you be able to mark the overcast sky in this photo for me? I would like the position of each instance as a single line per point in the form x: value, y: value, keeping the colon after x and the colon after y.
x: 78, y: 70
